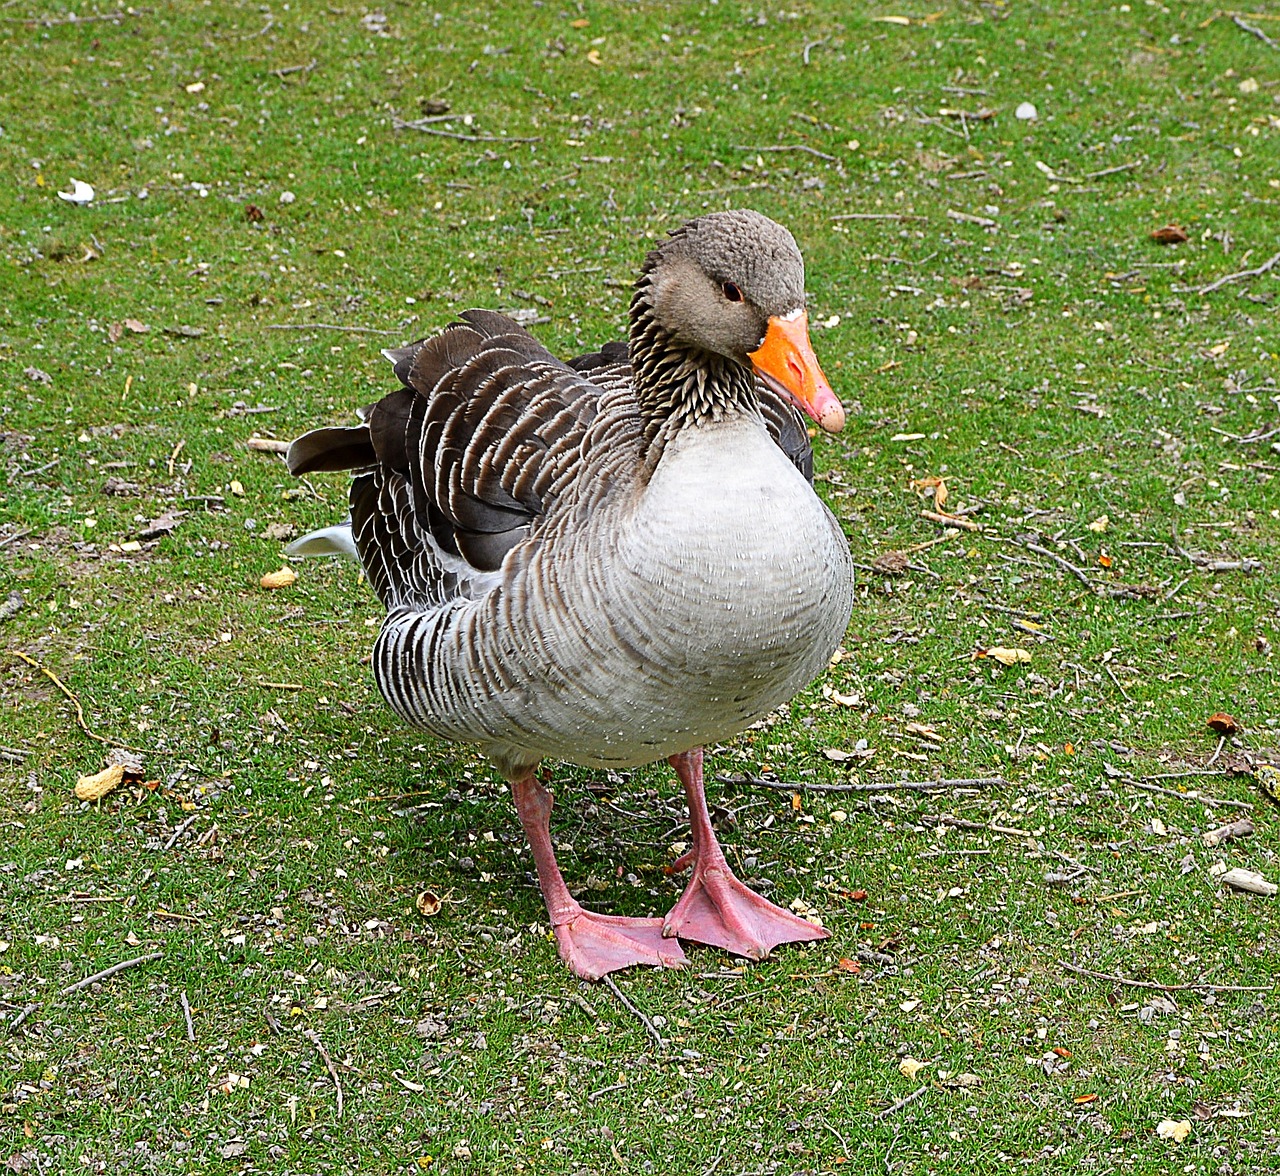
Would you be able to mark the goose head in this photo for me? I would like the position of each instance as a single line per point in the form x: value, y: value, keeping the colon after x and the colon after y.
x: 732, y: 284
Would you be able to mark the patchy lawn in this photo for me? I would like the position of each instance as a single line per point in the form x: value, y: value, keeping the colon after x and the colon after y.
x: 1091, y: 416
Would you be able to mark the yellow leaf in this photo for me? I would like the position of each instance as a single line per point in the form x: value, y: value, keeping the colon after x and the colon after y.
x: 593, y: 56
x: 909, y: 1067
x: 1100, y: 524
x: 1009, y: 657
x: 895, y: 20
x: 1175, y: 1129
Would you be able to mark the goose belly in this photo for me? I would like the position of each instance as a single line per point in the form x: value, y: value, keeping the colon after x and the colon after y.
x: 728, y: 585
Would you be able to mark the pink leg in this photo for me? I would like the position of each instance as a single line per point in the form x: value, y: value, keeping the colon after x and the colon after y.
x: 716, y: 908
x: 592, y: 945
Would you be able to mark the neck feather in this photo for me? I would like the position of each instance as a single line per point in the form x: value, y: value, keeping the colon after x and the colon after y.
x: 676, y: 384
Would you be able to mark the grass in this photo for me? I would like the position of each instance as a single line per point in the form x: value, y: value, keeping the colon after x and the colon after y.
x: 1054, y: 366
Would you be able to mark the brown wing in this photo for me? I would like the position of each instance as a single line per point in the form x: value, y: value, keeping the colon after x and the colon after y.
x: 462, y: 462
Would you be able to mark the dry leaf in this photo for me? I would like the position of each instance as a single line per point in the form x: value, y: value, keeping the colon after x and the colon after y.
x: 593, y: 56
x: 1169, y: 235
x: 894, y: 20
x: 891, y: 563
x: 1081, y: 1099
x: 428, y: 903
x: 1100, y: 524
x: 1006, y: 657
x: 96, y: 787
x: 848, y: 965
x: 236, y: 487
x: 909, y: 1067
x: 281, y: 579
x: 1223, y: 723
x: 1175, y: 1129
x: 136, y: 326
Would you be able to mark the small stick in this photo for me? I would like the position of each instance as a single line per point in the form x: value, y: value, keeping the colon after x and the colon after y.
x: 813, y: 45
x: 894, y: 786
x: 1111, y: 674
x: 582, y: 1003
x: 1163, y: 987
x: 179, y: 831
x: 51, y: 21
x: 595, y: 1094
x: 902, y: 1102
x: 267, y: 445
x: 969, y: 218
x: 401, y: 125
x: 871, y: 216
x: 326, y: 327
x: 1211, y: 801
x: 80, y: 719
x: 1240, y: 23
x: 649, y: 1026
x: 186, y: 1012
x: 1066, y: 565
x: 950, y: 520
x: 27, y: 1010
x: 108, y: 972
x: 314, y: 1037
x: 789, y: 147
x: 1265, y: 267
x: 292, y: 69
x: 1111, y: 171
x: 961, y: 823
x: 1241, y: 828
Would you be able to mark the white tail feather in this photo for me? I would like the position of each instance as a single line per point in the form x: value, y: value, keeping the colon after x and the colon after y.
x: 327, y: 541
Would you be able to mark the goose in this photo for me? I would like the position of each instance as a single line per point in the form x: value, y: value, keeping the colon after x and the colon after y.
x: 608, y: 561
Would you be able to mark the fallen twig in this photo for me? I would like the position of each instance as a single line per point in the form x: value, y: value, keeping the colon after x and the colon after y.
x: 1163, y: 987
x: 27, y: 1010
x: 1265, y: 267
x: 902, y: 1102
x: 892, y: 786
x: 1066, y: 565
x: 1112, y: 675
x: 874, y: 216
x: 186, y: 1013
x: 267, y: 445
x: 178, y: 832
x: 950, y: 520
x: 789, y: 147
x: 106, y: 973
x: 314, y: 1037
x: 327, y: 327
x: 1241, y: 23
x: 595, y: 1094
x: 1241, y: 828
x: 649, y: 1026
x: 968, y: 218
x: 50, y: 21
x: 418, y: 125
x: 1111, y: 171
x: 80, y: 719
x: 961, y: 823
x: 1212, y: 801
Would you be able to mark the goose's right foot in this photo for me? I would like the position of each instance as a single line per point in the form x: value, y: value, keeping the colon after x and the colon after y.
x: 594, y: 945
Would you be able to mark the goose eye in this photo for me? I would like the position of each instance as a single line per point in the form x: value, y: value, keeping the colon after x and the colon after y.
x: 731, y: 292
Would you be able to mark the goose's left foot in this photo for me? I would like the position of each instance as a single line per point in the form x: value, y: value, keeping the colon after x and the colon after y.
x: 716, y: 908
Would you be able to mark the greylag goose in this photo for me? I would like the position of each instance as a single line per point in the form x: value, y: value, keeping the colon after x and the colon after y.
x: 609, y: 561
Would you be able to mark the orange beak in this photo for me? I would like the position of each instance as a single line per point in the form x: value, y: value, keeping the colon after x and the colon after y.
x: 786, y: 362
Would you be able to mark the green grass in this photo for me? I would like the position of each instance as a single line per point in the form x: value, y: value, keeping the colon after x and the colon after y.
x: 1056, y: 366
